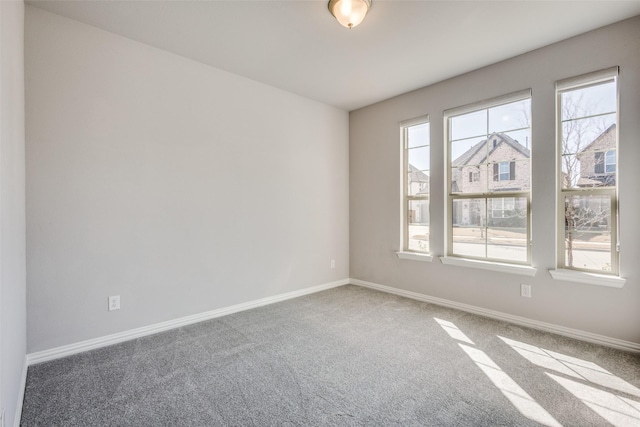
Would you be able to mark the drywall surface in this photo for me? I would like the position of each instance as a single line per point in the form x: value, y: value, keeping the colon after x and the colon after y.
x: 177, y: 186
x: 13, y: 326
x: 375, y: 182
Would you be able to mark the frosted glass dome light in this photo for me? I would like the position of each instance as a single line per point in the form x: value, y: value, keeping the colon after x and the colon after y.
x: 349, y: 13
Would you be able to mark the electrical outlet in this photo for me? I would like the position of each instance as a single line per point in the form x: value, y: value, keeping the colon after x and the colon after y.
x: 333, y: 264
x: 114, y: 303
x: 525, y: 290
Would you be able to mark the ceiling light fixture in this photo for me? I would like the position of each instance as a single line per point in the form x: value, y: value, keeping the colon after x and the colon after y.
x: 349, y: 13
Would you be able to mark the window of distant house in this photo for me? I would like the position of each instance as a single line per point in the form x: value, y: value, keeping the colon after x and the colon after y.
x: 588, y: 145
x: 415, y: 201
x: 610, y: 161
x: 503, y: 208
x: 489, y: 180
x: 503, y: 171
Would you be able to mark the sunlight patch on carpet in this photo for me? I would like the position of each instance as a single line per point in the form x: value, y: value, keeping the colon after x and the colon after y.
x: 512, y: 391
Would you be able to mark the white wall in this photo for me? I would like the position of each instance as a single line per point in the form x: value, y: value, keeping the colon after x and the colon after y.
x: 375, y: 183
x: 13, y: 333
x: 177, y: 186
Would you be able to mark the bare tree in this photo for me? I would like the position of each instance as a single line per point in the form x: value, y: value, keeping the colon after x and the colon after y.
x: 580, y: 219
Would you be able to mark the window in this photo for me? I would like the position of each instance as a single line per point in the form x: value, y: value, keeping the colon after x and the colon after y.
x: 599, y: 161
x: 587, y: 195
x: 504, y: 171
x: 610, y: 161
x: 415, y: 203
x: 488, y: 157
x: 605, y: 162
x: 503, y: 208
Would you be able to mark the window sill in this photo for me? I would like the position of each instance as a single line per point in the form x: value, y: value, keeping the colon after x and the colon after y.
x: 523, y: 270
x: 415, y: 256
x: 588, y: 278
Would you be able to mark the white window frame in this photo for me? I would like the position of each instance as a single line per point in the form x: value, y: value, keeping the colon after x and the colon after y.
x: 405, y: 252
x: 584, y: 275
x: 510, y: 266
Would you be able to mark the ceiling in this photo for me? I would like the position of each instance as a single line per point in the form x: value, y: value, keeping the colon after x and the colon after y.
x: 299, y: 47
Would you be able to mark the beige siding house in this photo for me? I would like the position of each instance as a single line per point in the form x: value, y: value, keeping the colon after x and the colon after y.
x: 496, y: 164
x: 598, y: 161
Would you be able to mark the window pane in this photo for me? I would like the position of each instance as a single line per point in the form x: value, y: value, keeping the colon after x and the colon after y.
x: 590, y: 163
x: 589, y: 101
x: 468, y: 151
x: 470, y: 179
x: 419, y: 157
x: 417, y: 182
x: 580, y: 135
x: 418, y: 135
x: 521, y: 137
x: 457, y: 180
x: 515, y: 115
x: 587, y: 170
x: 570, y: 171
x: 587, y: 232
x: 469, y: 227
x: 503, y: 147
x: 418, y: 221
x: 507, y: 229
x: 468, y: 125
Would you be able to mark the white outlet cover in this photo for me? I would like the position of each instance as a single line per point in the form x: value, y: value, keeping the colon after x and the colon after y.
x: 114, y: 302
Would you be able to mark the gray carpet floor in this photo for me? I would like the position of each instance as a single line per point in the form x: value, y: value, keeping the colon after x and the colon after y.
x: 347, y: 356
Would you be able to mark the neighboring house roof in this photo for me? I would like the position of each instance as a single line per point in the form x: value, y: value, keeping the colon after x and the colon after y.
x: 416, y: 175
x: 503, y: 139
x: 600, y: 137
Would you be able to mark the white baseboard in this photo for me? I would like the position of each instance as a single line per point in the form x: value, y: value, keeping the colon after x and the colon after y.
x: 522, y: 321
x: 23, y: 386
x: 68, y: 350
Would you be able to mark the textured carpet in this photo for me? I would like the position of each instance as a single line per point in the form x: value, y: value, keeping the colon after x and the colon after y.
x: 346, y: 356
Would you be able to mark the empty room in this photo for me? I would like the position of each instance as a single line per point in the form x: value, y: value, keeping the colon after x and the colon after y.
x: 313, y: 212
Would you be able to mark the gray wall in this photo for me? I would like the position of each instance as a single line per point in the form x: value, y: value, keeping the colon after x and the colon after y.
x: 13, y: 333
x: 375, y: 183
x: 177, y: 186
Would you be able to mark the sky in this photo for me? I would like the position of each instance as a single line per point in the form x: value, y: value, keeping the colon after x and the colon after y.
x: 591, y: 109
